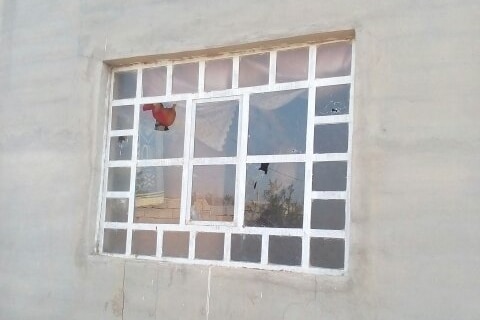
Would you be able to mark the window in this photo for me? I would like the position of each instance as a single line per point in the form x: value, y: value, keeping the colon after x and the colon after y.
x: 237, y: 160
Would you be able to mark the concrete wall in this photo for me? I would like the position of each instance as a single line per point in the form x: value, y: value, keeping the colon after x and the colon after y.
x: 416, y: 183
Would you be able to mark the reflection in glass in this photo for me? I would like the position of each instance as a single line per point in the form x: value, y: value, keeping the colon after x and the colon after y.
x: 285, y: 250
x: 125, y: 84
x: 118, y: 179
x: 120, y: 148
x: 331, y: 138
x: 218, y: 74
x: 334, y: 59
x: 216, y: 126
x: 114, y: 240
x: 274, y: 197
x: 144, y: 242
x: 161, y: 144
x: 157, y: 194
x: 328, y: 214
x: 122, y: 117
x: 332, y: 100
x: 246, y: 247
x: 213, y: 193
x: 209, y: 246
x: 327, y: 253
x: 329, y: 176
x: 175, y: 244
x: 292, y: 65
x: 185, y: 78
x: 154, y: 81
x: 277, y: 122
x: 116, y: 210
x: 254, y: 70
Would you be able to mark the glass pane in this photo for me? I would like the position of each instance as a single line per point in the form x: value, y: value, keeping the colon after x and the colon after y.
x: 122, y: 117
x: 216, y: 127
x: 116, y: 210
x: 330, y: 176
x: 157, y: 194
x: 218, y: 74
x: 277, y: 122
x: 120, y: 148
x: 154, y: 141
x: 213, y: 193
x: 274, y: 195
x: 125, y: 84
x: 114, y: 240
x: 332, y: 100
x: 328, y: 214
x: 334, y: 59
x: 144, y: 242
x: 285, y: 250
x: 246, y: 247
x: 292, y: 65
x: 185, y: 78
x: 175, y: 244
x: 327, y: 253
x: 331, y: 138
x: 154, y: 81
x: 254, y: 70
x: 118, y: 179
x: 209, y: 246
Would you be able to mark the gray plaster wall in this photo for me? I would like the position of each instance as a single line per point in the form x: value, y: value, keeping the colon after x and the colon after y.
x: 415, y: 251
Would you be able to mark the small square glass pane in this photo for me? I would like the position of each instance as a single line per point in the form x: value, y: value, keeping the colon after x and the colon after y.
x: 125, y: 84
x: 329, y: 176
x: 254, y: 70
x: 144, y: 242
x: 175, y: 244
x: 157, y: 195
x: 278, y: 122
x: 216, y: 128
x: 285, y: 250
x: 114, y: 241
x: 122, y: 117
x: 116, y: 210
x: 213, y: 193
x: 154, y: 141
x: 332, y: 100
x: 218, y: 74
x: 209, y: 246
x: 328, y: 214
x: 331, y: 138
x: 334, y: 59
x: 246, y: 247
x: 120, y: 148
x: 292, y: 65
x: 118, y: 179
x: 154, y: 81
x: 274, y: 195
x: 185, y: 78
x: 327, y: 253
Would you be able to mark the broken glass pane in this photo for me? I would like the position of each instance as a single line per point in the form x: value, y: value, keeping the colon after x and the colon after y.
x: 118, y: 179
x: 122, y: 117
x: 144, y: 242
x: 154, y: 81
x: 116, y: 210
x: 246, y: 247
x: 185, y: 78
x: 330, y: 176
x: 175, y: 244
x: 120, y: 148
x: 334, y: 59
x: 277, y: 122
x: 327, y: 253
x: 254, y: 70
x: 154, y: 142
x: 274, y: 195
x: 213, y: 193
x: 331, y: 138
x: 218, y: 74
x: 216, y: 127
x: 114, y: 240
x: 125, y: 84
x: 292, y: 65
x: 209, y: 246
x: 285, y: 250
x: 157, y: 194
x: 328, y: 214
x: 332, y: 100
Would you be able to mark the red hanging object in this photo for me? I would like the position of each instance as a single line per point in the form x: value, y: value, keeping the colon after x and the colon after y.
x: 164, y: 116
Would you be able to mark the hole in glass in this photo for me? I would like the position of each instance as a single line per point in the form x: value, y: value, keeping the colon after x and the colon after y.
x: 209, y: 246
x: 120, y: 148
x: 331, y: 138
x: 144, y: 242
x: 285, y: 250
x: 332, y: 100
x: 125, y: 84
